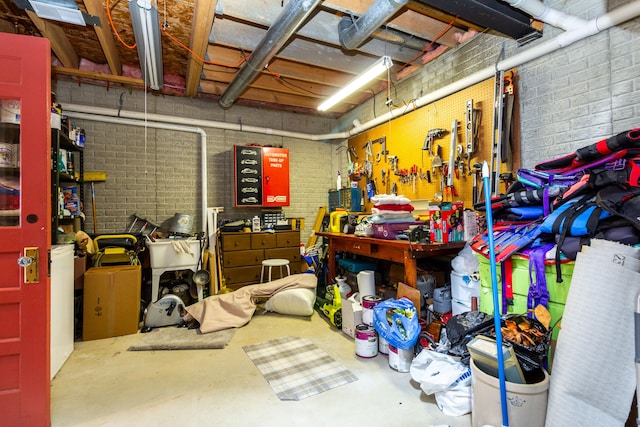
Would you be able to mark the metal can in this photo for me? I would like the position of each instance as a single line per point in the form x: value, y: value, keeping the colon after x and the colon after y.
x: 368, y: 302
x: 366, y: 341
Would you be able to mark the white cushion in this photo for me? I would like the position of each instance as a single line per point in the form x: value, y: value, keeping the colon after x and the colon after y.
x: 295, y: 302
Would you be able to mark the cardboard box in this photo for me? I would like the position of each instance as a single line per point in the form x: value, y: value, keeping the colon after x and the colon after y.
x: 351, y: 317
x: 111, y: 303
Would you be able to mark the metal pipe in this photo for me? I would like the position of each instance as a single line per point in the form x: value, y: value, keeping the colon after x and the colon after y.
x: 287, y: 23
x: 353, y: 33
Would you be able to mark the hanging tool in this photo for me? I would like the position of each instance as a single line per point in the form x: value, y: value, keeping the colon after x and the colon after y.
x: 472, y: 119
x: 498, y: 105
x: 436, y: 162
x: 476, y: 170
x: 452, y: 150
x: 383, y: 142
x: 432, y: 135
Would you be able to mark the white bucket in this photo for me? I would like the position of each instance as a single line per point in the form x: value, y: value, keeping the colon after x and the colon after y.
x: 526, y: 403
x: 400, y: 359
x: 463, y: 288
x: 6, y: 155
x: 10, y: 111
x: 366, y: 341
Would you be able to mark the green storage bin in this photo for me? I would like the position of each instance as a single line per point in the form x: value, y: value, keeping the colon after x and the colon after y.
x: 520, y: 277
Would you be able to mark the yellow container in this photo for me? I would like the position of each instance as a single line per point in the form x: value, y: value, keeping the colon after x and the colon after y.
x: 334, y: 220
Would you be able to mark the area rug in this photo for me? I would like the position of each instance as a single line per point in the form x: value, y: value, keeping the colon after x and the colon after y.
x: 296, y: 369
x: 172, y: 338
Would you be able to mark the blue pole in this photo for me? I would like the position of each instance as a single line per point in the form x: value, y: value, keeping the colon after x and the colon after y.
x: 494, y: 291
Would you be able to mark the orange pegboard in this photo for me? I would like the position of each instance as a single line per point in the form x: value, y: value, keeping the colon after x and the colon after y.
x: 405, y: 137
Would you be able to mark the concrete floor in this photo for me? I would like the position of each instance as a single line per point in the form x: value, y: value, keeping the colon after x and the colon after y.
x: 103, y: 384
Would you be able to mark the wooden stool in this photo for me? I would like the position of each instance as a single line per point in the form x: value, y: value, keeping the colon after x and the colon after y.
x: 276, y: 262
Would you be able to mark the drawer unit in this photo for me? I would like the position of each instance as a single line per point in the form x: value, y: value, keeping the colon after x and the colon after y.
x: 235, y: 241
x: 243, y: 253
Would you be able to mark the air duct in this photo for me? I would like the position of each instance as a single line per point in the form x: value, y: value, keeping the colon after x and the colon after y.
x: 353, y: 33
x: 287, y: 23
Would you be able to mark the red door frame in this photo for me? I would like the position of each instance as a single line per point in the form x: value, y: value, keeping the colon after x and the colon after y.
x: 25, y: 74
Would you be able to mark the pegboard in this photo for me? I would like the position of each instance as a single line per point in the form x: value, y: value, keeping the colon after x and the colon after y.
x: 405, y: 139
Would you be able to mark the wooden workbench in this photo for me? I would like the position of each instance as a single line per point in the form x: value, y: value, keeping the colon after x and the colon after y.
x: 400, y: 251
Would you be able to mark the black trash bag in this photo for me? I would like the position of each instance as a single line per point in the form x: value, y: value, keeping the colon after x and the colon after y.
x: 528, y: 337
x: 462, y: 328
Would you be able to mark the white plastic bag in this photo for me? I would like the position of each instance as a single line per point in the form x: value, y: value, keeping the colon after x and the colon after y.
x: 454, y: 402
x: 466, y: 263
x: 439, y: 372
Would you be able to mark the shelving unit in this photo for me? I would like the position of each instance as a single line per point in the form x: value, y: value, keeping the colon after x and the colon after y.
x: 61, y: 179
x: 10, y: 138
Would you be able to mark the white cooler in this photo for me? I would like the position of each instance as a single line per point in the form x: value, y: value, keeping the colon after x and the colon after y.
x: 463, y: 288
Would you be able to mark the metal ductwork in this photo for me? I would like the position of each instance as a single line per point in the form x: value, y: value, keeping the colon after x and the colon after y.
x: 493, y: 14
x: 287, y: 23
x: 353, y: 33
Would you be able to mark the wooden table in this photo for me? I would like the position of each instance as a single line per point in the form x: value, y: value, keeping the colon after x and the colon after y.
x: 401, y: 251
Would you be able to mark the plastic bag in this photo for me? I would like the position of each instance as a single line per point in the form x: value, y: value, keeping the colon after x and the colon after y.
x: 439, y: 372
x: 396, y: 321
x: 454, y: 402
x: 466, y: 263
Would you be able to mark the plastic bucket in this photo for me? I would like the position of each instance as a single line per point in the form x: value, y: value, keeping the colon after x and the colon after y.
x: 526, y: 403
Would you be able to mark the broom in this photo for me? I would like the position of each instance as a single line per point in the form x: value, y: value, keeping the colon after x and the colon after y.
x: 494, y: 289
x: 93, y: 177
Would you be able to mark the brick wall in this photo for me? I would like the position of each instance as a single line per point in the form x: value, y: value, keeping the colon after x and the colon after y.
x: 155, y: 173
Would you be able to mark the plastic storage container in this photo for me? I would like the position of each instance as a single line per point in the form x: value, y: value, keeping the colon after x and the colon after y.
x: 463, y: 288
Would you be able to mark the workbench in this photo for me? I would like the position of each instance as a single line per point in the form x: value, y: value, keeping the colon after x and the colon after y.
x: 400, y: 251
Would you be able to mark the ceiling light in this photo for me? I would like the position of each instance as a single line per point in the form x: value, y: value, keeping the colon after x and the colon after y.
x: 146, y: 30
x: 367, y: 75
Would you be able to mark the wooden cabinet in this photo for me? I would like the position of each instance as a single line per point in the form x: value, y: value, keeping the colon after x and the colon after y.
x: 243, y: 253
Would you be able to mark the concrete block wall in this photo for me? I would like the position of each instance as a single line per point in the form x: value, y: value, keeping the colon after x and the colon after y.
x: 572, y: 97
x: 155, y: 173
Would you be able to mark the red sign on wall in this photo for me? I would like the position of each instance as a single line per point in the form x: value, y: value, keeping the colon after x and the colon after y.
x: 261, y: 176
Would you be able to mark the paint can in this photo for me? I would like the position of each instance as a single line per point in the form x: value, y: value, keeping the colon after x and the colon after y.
x: 366, y: 341
x: 10, y: 111
x: 383, y: 345
x: 6, y: 155
x: 368, y: 302
x: 399, y: 359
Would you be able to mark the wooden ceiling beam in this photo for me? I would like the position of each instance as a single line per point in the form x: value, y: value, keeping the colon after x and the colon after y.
x: 92, y: 75
x: 60, y: 44
x: 261, y: 95
x: 94, y: 7
x: 203, y: 15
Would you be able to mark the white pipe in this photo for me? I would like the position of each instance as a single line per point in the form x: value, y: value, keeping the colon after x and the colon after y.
x: 619, y: 15
x: 548, y: 15
x: 166, y: 126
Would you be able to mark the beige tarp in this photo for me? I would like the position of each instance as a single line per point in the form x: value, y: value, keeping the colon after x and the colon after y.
x: 235, y: 309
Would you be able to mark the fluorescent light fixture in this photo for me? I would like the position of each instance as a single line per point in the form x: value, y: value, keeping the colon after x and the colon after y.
x: 59, y: 10
x: 367, y: 75
x: 146, y: 30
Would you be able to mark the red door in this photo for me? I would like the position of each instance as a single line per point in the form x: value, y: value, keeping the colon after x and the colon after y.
x: 25, y: 140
